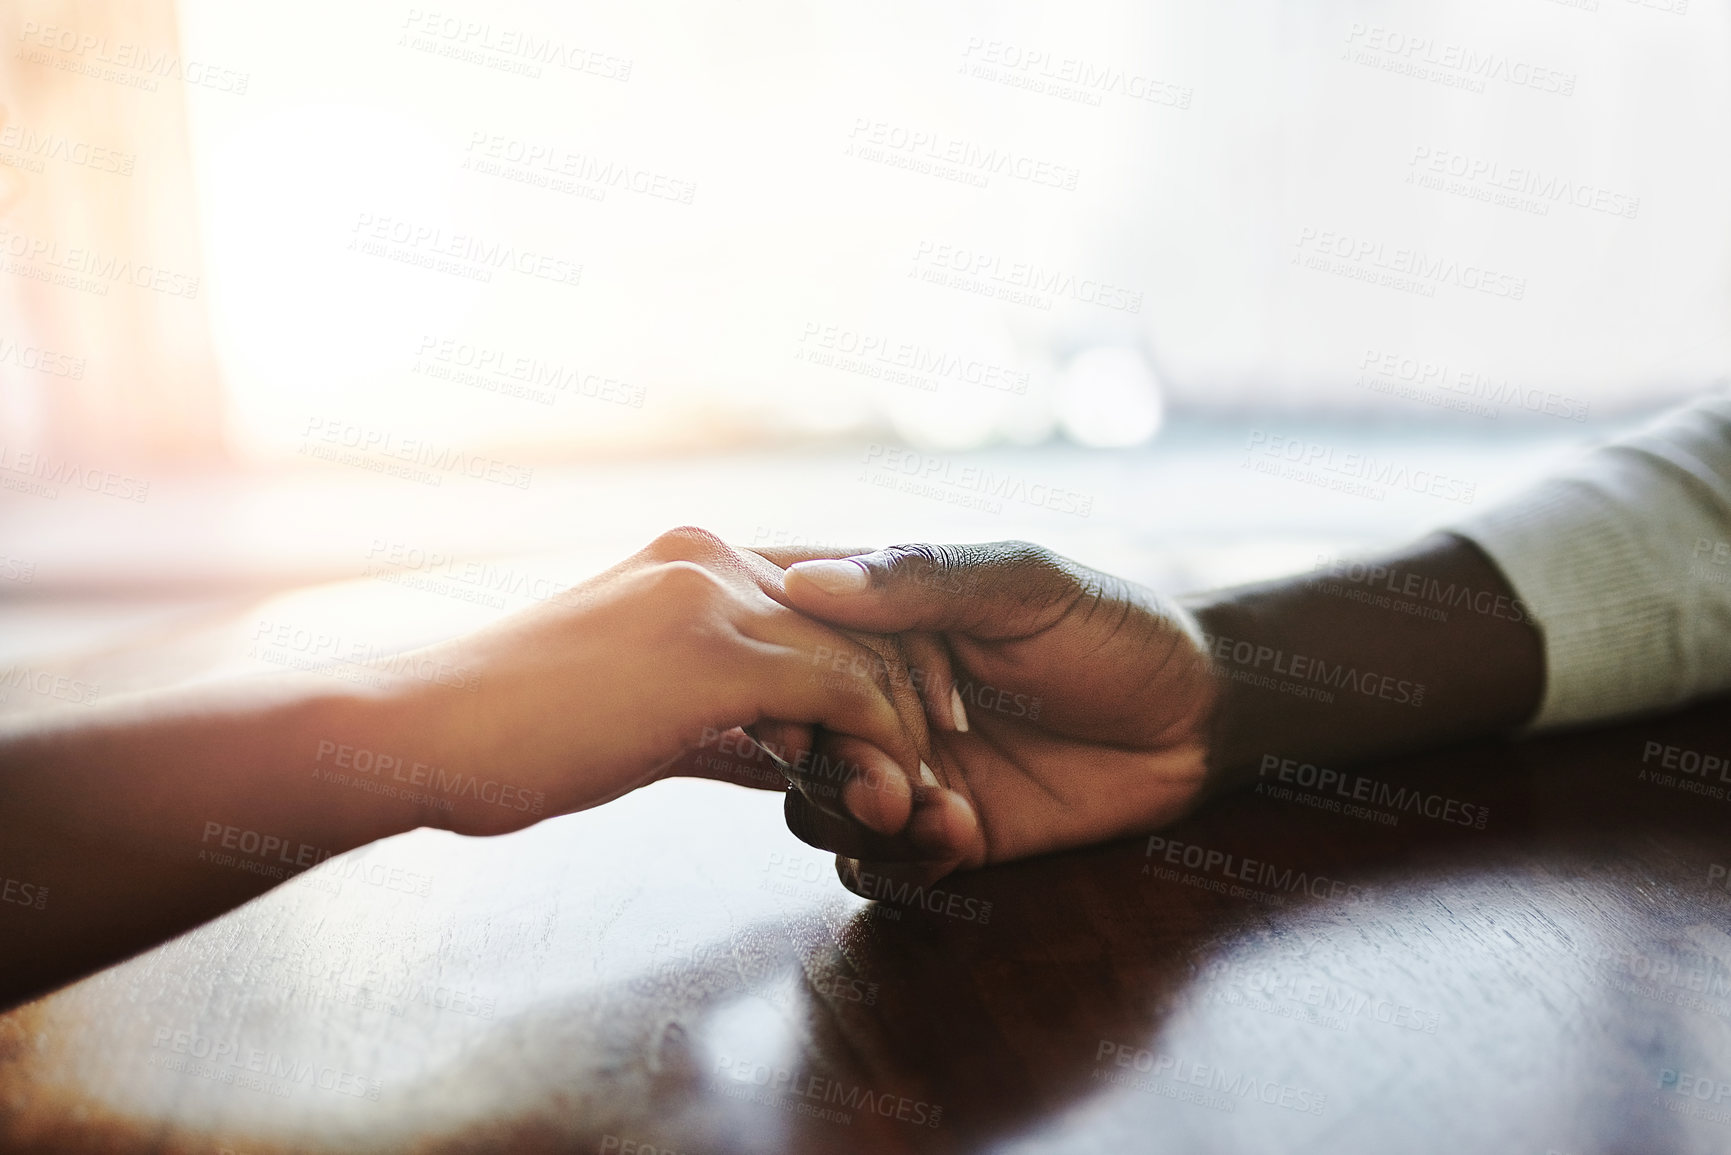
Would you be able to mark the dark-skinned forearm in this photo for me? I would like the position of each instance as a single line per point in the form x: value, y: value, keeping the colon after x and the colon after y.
x: 1422, y: 647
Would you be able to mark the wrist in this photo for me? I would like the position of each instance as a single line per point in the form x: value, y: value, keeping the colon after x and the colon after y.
x: 355, y: 753
x: 1232, y: 728
x: 1327, y: 665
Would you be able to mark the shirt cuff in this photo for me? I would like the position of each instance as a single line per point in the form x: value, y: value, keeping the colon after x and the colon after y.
x: 1600, y: 583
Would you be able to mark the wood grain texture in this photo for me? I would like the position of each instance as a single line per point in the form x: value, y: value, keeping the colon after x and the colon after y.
x: 675, y: 971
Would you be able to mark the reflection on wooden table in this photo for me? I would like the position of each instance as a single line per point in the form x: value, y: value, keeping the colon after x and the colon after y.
x: 1514, y: 948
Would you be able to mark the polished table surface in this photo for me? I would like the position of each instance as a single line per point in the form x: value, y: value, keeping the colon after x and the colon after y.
x: 675, y: 973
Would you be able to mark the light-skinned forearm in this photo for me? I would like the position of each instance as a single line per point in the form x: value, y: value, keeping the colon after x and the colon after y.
x: 125, y: 825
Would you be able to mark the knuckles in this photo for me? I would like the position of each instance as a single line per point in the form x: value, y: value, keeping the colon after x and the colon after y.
x: 682, y: 593
x: 1024, y: 560
x: 688, y: 543
x: 1025, y: 553
x: 921, y: 560
x: 1019, y: 574
x: 802, y: 820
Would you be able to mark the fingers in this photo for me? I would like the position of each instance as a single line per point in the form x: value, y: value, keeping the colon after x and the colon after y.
x: 943, y: 829
x: 854, y: 782
x: 807, y: 672
x: 943, y: 837
x: 747, y: 570
x: 878, y: 698
x: 728, y: 756
x: 818, y: 827
x: 928, y: 658
x: 785, y: 556
x: 882, y: 880
x: 940, y: 824
x: 929, y: 665
x: 994, y: 591
x: 740, y: 568
x: 804, y: 672
x: 790, y: 742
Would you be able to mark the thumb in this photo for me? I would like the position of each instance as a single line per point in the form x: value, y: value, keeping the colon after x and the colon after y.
x: 992, y: 591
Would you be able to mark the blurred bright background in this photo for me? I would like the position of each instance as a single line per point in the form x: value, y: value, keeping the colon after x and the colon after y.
x: 536, y: 280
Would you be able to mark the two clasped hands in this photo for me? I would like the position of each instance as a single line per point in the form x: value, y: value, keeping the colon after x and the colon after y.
x: 934, y: 708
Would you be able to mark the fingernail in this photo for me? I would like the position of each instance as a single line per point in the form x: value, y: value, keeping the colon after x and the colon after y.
x: 879, y: 807
x: 927, y: 776
x: 957, y: 713
x: 834, y: 575
x: 937, y: 828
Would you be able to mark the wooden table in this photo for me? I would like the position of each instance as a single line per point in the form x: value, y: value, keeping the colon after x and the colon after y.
x: 674, y: 973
